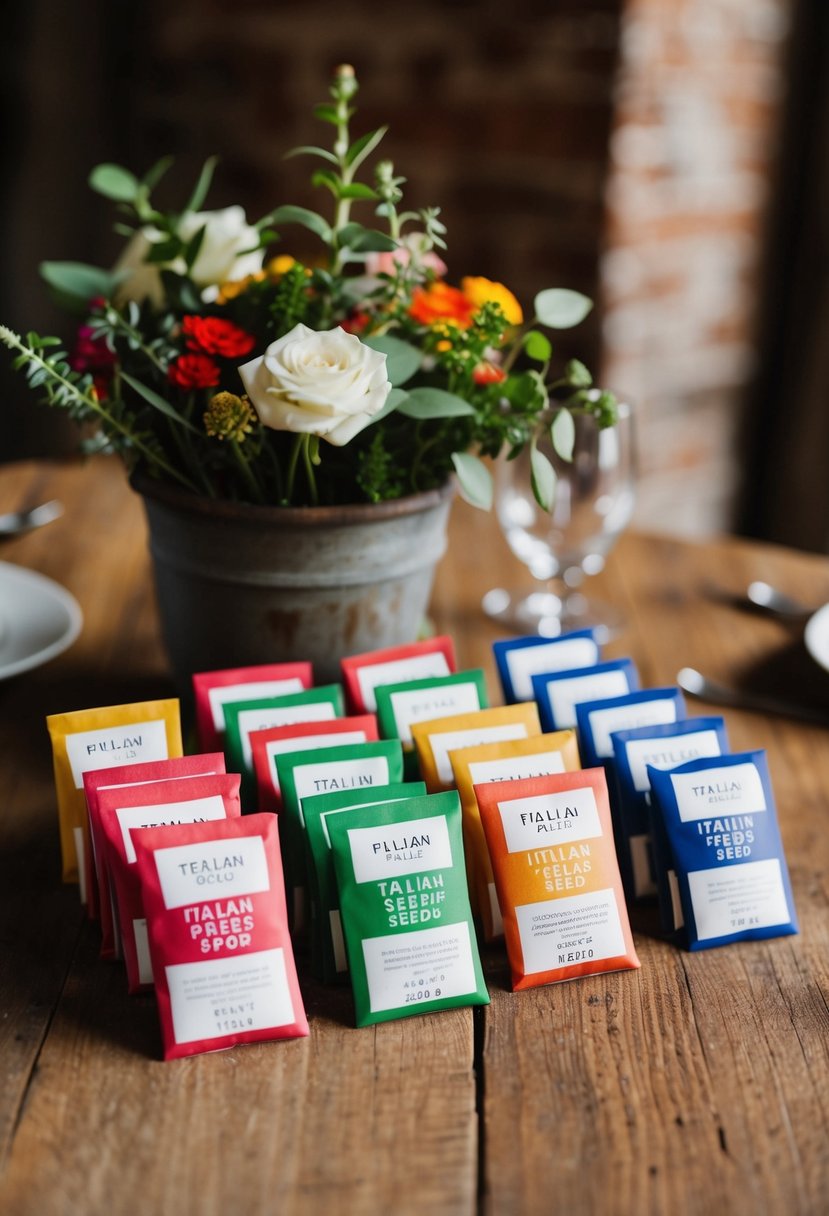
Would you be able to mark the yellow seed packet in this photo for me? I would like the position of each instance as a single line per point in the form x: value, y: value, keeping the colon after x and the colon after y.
x: 89, y: 739
x: 536, y: 756
x: 435, y: 739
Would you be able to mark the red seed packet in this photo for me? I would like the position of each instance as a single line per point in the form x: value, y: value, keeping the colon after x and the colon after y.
x: 128, y: 774
x: 550, y: 839
x: 301, y: 736
x: 158, y: 804
x: 218, y: 934
x: 362, y: 673
x: 212, y: 689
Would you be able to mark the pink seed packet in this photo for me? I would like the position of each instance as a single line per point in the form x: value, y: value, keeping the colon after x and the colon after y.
x: 213, y: 689
x: 362, y: 673
x: 218, y: 934
x: 158, y: 804
x: 301, y: 736
x: 96, y: 858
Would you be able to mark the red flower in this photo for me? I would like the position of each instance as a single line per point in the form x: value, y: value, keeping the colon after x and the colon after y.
x: 193, y: 371
x: 92, y: 355
x: 217, y: 336
x: 356, y: 322
x: 488, y: 373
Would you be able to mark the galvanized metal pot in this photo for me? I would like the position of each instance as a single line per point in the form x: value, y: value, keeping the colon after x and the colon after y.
x: 239, y: 584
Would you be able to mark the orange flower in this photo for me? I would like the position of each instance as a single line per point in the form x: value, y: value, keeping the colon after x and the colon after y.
x: 439, y: 302
x: 480, y: 291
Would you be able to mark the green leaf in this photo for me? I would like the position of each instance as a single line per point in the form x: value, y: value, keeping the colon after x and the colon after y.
x: 152, y: 398
x: 202, y: 185
x: 80, y: 281
x: 538, y: 346
x: 356, y: 190
x: 165, y: 251
x: 542, y: 478
x: 365, y: 240
x: 331, y: 181
x: 559, y: 308
x: 474, y: 479
x: 577, y: 374
x: 434, y: 403
x: 364, y: 146
x: 402, y: 359
x: 311, y: 150
x: 327, y: 113
x: 301, y: 215
x: 154, y: 175
x: 193, y: 247
x: 563, y: 434
x: 114, y: 182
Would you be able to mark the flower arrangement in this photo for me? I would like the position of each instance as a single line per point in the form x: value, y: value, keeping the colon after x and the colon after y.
x: 365, y: 376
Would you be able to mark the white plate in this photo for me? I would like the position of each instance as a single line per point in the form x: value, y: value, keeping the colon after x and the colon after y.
x: 39, y: 619
x: 816, y: 636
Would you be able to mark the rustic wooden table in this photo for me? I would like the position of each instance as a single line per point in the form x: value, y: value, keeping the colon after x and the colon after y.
x: 698, y: 1084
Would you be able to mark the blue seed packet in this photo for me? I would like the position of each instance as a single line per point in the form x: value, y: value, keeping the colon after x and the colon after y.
x: 597, y: 720
x: 663, y: 747
x: 721, y: 824
x: 519, y: 659
x: 558, y: 693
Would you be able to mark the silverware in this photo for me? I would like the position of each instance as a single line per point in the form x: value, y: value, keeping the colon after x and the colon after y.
x: 772, y: 599
x: 697, y: 685
x: 14, y: 523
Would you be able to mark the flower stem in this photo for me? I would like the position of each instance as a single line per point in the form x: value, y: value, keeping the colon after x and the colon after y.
x: 292, y: 463
x: 247, y: 473
x: 310, y: 455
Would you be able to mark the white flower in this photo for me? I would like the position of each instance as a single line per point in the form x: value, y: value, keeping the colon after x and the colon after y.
x: 224, y: 254
x: 325, y: 382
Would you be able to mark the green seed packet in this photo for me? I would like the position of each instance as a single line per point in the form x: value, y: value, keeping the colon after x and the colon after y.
x: 244, y: 717
x: 401, y: 705
x: 328, y: 957
x: 405, y: 908
x: 353, y: 766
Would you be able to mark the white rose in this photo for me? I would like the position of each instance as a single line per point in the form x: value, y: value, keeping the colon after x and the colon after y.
x: 325, y: 382
x: 223, y: 255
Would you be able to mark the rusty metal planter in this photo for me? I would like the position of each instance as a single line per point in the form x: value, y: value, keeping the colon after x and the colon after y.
x: 239, y: 584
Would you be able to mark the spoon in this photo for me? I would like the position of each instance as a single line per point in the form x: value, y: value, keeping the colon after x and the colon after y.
x: 772, y: 599
x: 14, y: 523
x: 697, y: 685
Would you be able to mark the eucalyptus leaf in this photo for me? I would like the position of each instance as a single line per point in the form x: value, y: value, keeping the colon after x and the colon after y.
x: 402, y: 359
x: 474, y: 479
x: 114, y: 182
x: 560, y: 308
x: 301, y: 215
x: 563, y: 434
x: 152, y: 398
x: 434, y: 403
x: 538, y: 346
x: 79, y: 281
x: 542, y: 478
x: 577, y: 374
x: 202, y: 185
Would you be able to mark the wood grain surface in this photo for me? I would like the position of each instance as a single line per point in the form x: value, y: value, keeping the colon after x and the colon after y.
x: 695, y: 1085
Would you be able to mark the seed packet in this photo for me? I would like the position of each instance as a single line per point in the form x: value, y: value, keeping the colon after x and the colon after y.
x: 301, y: 774
x: 88, y: 739
x: 663, y: 747
x: 557, y: 694
x: 519, y: 659
x: 155, y: 804
x: 596, y: 720
x: 328, y: 957
x: 396, y: 664
x: 401, y: 705
x: 405, y: 908
x: 536, y: 756
x: 436, y: 738
x: 214, y: 689
x: 178, y: 768
x: 265, y: 745
x: 721, y: 823
x: 551, y: 844
x: 242, y: 718
x: 218, y: 934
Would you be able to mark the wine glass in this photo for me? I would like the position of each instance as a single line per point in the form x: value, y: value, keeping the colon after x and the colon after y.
x: 593, y: 504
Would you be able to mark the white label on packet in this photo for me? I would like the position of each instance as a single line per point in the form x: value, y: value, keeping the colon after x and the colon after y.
x: 422, y: 704
x: 398, y: 671
x: 223, y: 693
x: 668, y: 753
x: 450, y: 740
x: 515, y: 768
x: 735, y: 789
x: 729, y: 899
x: 390, y: 850
x: 201, y: 995
x: 628, y: 717
x: 283, y: 715
x: 544, y: 819
x: 401, y: 968
x: 142, y: 950
x: 89, y: 750
x: 194, y: 873
x: 524, y: 662
x: 564, y: 695
x: 339, y: 775
x: 549, y: 928
x: 307, y: 743
x: 162, y: 814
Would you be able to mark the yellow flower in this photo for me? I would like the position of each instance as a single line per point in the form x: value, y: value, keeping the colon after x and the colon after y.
x: 280, y: 265
x: 234, y: 287
x: 480, y: 291
x: 229, y: 417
